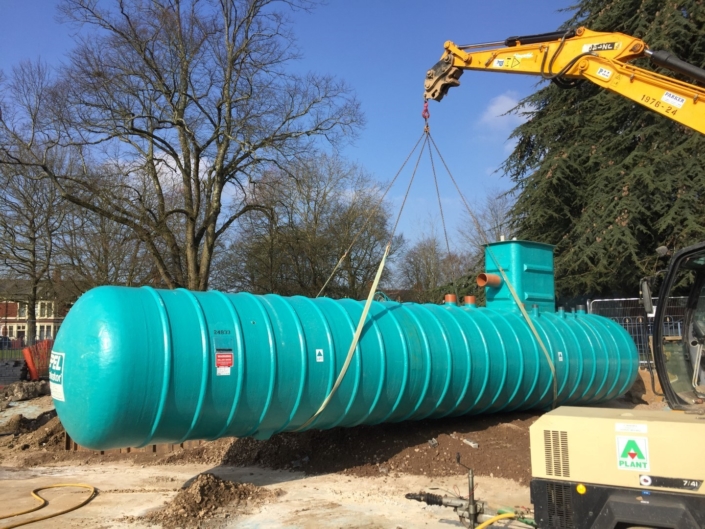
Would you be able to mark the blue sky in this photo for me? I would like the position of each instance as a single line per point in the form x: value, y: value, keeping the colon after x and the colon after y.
x: 382, y: 49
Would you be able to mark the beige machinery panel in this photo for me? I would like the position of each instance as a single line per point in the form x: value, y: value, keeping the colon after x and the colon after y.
x: 659, y: 450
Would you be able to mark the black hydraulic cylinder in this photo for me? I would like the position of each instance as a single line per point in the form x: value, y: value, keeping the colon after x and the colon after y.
x: 541, y: 37
x: 668, y: 60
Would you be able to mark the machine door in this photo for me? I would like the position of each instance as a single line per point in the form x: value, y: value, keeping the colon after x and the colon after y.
x: 679, y: 356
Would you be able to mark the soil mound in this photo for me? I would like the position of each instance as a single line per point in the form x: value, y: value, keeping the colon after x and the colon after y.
x: 44, y: 432
x: 212, y: 453
x: 18, y: 391
x: 207, y: 501
x: 413, y: 447
x: 492, y: 445
x: 13, y: 425
x: 19, y: 424
x: 22, y: 436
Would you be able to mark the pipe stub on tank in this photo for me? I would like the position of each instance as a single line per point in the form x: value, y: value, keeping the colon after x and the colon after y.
x: 489, y: 280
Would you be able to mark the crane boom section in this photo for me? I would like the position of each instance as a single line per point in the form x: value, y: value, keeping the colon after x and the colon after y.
x: 601, y: 58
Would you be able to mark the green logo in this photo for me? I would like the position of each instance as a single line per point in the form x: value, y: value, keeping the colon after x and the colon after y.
x: 632, y: 453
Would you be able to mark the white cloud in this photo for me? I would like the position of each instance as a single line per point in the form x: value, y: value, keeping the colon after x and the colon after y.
x: 494, y: 118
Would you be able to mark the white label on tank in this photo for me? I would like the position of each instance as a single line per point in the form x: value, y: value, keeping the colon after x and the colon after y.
x: 319, y: 355
x: 222, y: 371
x: 560, y: 356
x: 630, y: 428
x: 56, y: 375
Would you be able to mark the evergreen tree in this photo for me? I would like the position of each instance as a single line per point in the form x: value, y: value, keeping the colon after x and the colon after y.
x: 604, y: 179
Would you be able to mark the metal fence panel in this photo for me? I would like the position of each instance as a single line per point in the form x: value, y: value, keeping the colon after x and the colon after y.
x: 14, y: 339
x: 630, y: 314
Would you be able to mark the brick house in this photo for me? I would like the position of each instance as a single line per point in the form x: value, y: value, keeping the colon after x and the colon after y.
x: 51, y: 308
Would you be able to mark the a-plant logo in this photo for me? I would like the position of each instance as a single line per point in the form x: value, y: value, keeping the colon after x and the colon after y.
x: 633, y: 453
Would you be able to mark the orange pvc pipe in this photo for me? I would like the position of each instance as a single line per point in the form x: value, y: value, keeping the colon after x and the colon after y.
x: 489, y: 280
x: 33, y: 373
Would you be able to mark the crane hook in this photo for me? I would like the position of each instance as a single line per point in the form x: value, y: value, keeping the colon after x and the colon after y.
x: 425, y: 113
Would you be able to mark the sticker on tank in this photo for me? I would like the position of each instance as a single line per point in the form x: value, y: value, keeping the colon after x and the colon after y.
x: 223, y: 362
x: 56, y: 375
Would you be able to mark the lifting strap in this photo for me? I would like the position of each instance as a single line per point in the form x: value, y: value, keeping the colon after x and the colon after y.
x: 373, y: 289
x: 513, y: 292
x: 353, y: 345
x: 370, y: 216
x: 428, y: 141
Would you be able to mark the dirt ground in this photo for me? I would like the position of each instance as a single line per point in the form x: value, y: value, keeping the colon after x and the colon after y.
x: 354, y: 477
x: 420, y: 448
x: 130, y: 493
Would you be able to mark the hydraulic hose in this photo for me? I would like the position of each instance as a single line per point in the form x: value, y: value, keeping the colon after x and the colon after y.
x: 43, y: 503
x: 537, y: 39
x: 494, y: 519
x: 527, y: 521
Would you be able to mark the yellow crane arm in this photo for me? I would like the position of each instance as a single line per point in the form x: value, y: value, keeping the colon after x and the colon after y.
x: 566, y: 57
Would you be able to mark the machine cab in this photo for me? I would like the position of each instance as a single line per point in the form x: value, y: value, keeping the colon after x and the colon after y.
x: 678, y: 356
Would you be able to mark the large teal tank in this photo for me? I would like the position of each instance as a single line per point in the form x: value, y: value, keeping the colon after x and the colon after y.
x: 133, y: 366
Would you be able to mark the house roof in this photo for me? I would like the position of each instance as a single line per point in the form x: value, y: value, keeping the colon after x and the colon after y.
x: 20, y: 290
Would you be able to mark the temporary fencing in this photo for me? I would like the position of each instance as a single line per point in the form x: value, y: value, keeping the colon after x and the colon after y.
x: 37, y: 358
x: 630, y: 314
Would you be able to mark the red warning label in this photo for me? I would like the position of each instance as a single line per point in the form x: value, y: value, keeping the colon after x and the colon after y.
x: 223, y: 360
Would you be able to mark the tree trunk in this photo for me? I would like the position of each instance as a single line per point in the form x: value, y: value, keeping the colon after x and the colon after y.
x: 32, y: 315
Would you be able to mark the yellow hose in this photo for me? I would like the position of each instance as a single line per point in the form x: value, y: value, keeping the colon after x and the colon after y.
x: 496, y: 519
x: 36, y: 496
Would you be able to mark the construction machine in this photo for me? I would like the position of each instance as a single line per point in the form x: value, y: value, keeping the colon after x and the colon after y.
x: 608, y: 468
x: 568, y: 57
x: 603, y: 468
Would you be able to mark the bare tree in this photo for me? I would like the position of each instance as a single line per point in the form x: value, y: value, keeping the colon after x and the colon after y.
x: 92, y: 250
x: 310, y: 222
x: 31, y: 215
x: 488, y: 223
x: 173, y: 107
x: 420, y: 267
x: 426, y: 266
